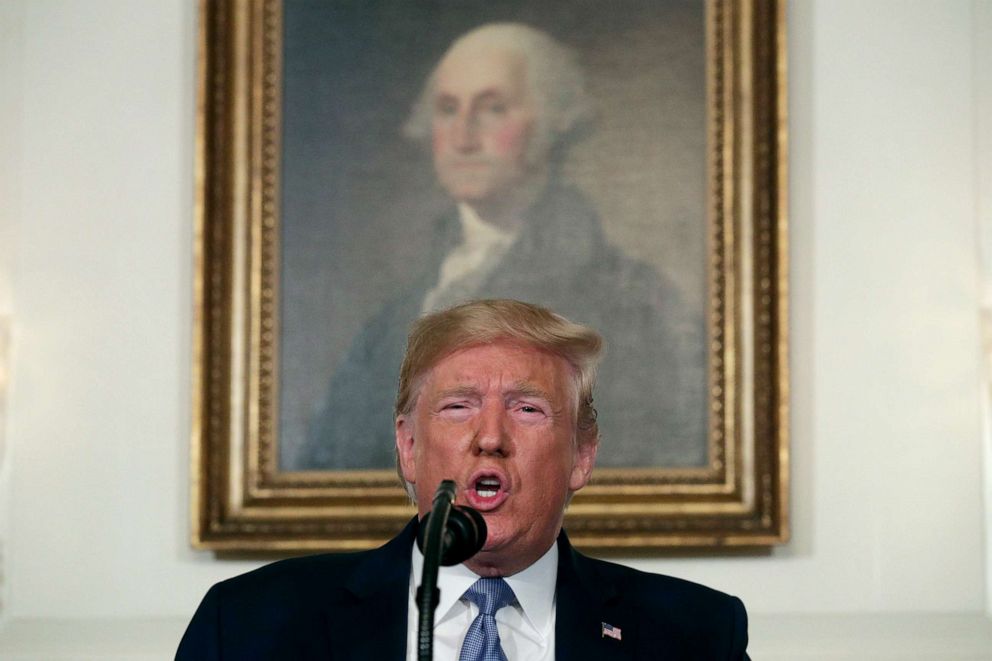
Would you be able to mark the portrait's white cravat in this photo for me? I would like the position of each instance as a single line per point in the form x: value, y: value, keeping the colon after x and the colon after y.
x: 465, y: 268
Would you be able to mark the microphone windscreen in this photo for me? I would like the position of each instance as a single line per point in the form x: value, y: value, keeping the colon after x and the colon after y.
x: 464, y: 536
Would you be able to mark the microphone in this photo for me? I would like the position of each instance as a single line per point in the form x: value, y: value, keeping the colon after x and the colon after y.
x: 448, y: 535
x: 464, y: 535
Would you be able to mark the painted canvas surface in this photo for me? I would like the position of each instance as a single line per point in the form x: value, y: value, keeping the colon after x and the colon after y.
x: 381, y: 216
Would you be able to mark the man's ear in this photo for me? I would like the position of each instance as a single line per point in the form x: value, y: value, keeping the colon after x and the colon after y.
x: 585, y: 460
x: 405, y: 448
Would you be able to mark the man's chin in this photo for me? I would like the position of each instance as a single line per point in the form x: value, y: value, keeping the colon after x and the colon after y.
x: 470, y: 195
x: 502, y: 557
x: 497, y: 540
x: 473, y: 189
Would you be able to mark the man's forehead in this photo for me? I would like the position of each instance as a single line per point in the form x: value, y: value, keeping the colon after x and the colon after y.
x: 513, y: 364
x: 474, y: 68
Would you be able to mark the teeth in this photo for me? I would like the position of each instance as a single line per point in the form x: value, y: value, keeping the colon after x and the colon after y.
x: 487, y: 487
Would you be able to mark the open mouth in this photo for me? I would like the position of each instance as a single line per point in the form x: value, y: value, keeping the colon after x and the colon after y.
x: 487, y: 487
x: 487, y: 490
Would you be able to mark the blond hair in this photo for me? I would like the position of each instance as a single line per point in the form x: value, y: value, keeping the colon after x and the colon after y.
x: 437, y: 335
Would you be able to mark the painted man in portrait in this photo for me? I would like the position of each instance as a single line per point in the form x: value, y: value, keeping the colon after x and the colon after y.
x: 498, y: 115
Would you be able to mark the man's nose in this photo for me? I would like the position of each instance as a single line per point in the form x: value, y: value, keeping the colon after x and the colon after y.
x: 492, y: 435
x: 465, y: 132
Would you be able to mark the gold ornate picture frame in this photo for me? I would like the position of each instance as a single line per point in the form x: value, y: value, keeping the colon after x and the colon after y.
x: 243, y: 496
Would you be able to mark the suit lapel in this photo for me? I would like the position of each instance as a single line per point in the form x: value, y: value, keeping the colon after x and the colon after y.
x: 370, y: 620
x: 585, y: 601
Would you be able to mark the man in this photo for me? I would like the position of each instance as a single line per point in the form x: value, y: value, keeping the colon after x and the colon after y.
x: 499, y: 112
x: 497, y: 396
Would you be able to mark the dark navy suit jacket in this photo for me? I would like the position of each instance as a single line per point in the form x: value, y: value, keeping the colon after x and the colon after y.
x: 354, y: 606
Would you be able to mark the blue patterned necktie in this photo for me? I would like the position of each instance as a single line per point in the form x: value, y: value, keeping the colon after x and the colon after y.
x: 482, y: 640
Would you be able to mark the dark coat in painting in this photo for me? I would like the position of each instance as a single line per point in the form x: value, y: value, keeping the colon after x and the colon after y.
x: 652, y: 381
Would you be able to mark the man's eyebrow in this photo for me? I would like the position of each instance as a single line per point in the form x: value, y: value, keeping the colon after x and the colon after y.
x: 489, y: 94
x: 526, y: 389
x: 458, y: 391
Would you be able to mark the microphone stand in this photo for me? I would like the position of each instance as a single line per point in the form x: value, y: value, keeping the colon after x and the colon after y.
x: 428, y: 594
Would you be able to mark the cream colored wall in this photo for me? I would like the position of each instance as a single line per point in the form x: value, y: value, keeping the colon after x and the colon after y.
x: 982, y: 72
x: 101, y: 281
x: 886, y: 420
x: 887, y: 499
x: 11, y: 66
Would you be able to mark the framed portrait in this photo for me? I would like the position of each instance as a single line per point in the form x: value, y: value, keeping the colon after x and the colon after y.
x: 361, y: 163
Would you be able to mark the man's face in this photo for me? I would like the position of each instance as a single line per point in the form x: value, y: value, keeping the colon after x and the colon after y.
x: 499, y: 420
x: 484, y: 120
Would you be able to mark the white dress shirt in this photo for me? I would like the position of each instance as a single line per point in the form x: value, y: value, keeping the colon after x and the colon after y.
x: 526, y: 628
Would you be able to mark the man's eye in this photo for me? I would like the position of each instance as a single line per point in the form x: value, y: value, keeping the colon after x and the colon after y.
x: 445, y: 108
x: 455, y: 411
x: 493, y: 108
x: 527, y: 408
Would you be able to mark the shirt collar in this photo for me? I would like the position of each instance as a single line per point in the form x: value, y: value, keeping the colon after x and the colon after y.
x: 535, y: 590
x: 534, y: 587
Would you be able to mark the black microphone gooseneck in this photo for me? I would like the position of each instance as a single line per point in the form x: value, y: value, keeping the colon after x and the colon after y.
x: 448, y: 536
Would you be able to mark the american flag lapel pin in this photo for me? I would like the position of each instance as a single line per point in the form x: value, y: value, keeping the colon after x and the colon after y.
x: 610, y: 630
